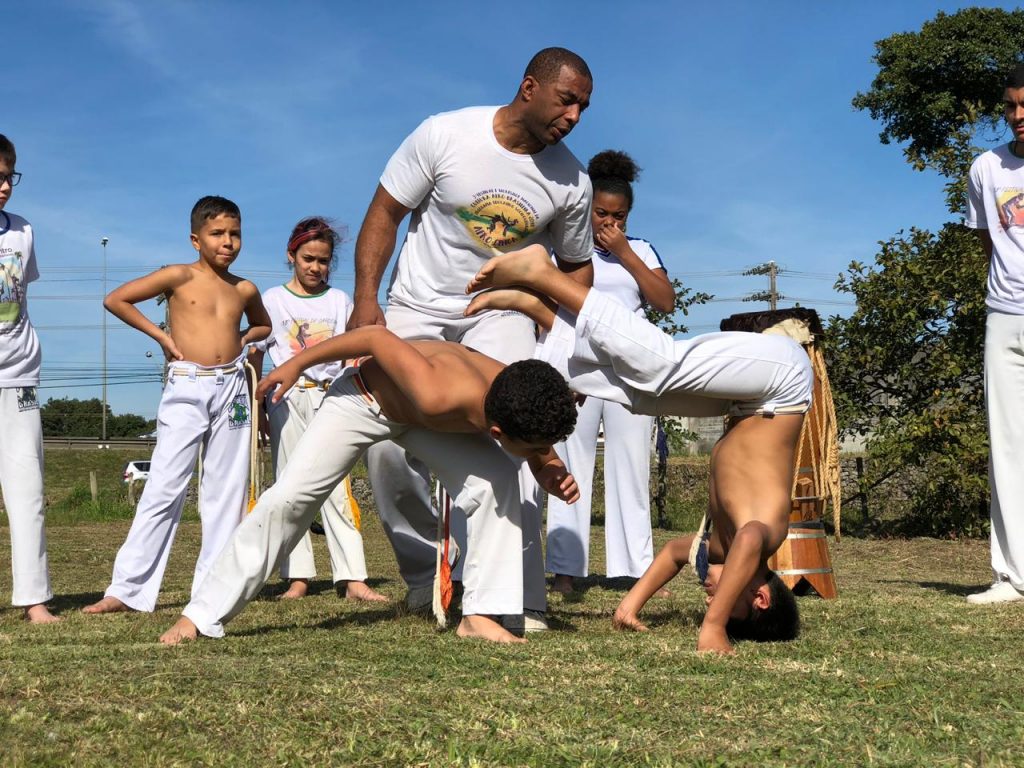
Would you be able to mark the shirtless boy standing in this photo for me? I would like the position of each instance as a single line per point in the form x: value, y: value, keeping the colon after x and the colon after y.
x: 763, y: 382
x: 451, y: 407
x: 205, y: 404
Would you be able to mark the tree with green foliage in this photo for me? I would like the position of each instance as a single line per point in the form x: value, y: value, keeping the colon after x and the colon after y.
x: 69, y: 417
x: 906, y: 366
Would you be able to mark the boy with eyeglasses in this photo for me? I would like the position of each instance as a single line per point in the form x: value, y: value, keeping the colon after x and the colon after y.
x: 21, y: 430
x: 205, y: 404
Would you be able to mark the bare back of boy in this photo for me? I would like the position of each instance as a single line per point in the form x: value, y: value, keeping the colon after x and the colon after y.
x: 459, y: 407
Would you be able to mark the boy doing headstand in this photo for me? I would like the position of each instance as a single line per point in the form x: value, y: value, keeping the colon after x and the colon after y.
x: 449, y: 406
x: 205, y: 404
x: 763, y: 382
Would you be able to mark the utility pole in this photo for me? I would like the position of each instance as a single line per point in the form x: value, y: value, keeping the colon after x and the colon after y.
x: 165, y: 325
x: 772, y: 295
x: 103, y: 242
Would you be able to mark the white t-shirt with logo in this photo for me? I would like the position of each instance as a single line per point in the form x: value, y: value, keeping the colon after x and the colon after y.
x: 301, y: 322
x: 996, y: 203
x: 20, y: 355
x: 471, y: 198
x: 611, y: 278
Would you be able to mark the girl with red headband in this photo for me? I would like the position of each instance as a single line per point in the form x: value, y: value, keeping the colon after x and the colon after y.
x: 304, y: 312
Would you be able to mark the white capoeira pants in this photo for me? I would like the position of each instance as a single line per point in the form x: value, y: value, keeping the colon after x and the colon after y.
x: 288, y: 420
x: 610, y: 353
x: 202, y: 408
x: 21, y: 479
x: 401, y: 487
x: 473, y: 467
x: 1004, y: 399
x: 627, y: 498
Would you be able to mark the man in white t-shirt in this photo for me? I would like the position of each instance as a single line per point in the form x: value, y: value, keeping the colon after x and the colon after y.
x: 21, y: 430
x: 996, y: 210
x: 477, y: 181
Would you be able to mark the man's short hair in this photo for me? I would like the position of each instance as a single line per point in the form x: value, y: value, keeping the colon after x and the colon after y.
x: 7, y: 153
x: 211, y: 206
x: 546, y: 65
x: 530, y: 401
x: 1015, y: 77
x: 779, y: 621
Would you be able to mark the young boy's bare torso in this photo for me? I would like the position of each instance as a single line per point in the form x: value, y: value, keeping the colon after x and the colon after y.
x: 206, y: 307
x: 206, y: 310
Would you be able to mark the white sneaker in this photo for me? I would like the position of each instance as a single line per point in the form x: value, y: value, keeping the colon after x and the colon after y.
x: 529, y: 621
x: 1000, y: 592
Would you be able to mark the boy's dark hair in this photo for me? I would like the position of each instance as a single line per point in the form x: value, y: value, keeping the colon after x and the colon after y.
x: 779, y: 621
x: 210, y: 206
x: 614, y: 171
x: 546, y: 65
x: 530, y: 401
x: 1015, y: 77
x: 7, y: 153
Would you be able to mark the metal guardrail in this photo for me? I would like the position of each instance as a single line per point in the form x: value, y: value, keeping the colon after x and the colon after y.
x: 79, y: 443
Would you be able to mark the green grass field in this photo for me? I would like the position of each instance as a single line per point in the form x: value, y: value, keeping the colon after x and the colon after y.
x: 897, y: 671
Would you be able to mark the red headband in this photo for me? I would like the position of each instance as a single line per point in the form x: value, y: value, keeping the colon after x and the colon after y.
x: 305, y: 237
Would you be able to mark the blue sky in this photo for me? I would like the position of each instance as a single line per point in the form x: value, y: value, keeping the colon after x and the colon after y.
x: 124, y: 113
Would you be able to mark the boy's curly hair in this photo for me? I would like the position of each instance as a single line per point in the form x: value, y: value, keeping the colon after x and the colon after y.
x: 779, y: 621
x: 530, y: 401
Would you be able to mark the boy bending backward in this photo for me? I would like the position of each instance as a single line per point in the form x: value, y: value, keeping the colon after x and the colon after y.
x: 447, y: 405
x: 205, y: 404
x: 763, y: 382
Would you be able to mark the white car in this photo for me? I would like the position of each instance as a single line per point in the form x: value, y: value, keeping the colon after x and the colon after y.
x: 136, y: 470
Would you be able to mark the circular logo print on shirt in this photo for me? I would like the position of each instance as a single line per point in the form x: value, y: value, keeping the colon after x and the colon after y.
x: 499, y: 218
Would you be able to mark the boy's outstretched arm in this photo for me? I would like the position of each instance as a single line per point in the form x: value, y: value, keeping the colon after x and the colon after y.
x: 121, y: 302
x: 341, y: 347
x: 666, y: 565
x: 749, y: 549
x: 425, y: 386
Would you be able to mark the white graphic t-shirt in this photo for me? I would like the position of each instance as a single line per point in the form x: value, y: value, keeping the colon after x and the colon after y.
x: 471, y: 198
x: 20, y: 355
x: 611, y: 278
x: 301, y: 322
x: 996, y: 203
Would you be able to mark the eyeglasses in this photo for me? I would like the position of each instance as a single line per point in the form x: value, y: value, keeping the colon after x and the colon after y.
x: 14, y: 178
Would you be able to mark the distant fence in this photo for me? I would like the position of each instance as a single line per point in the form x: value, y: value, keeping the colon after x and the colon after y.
x: 78, y: 443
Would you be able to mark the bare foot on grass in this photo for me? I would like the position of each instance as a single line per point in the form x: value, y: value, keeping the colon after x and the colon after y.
x: 515, y: 268
x: 297, y: 590
x: 183, y: 631
x: 626, y: 620
x: 562, y: 584
x: 40, y: 614
x: 361, y: 591
x: 662, y: 593
x: 106, y: 605
x: 486, y: 628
